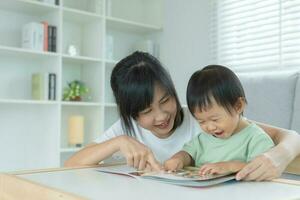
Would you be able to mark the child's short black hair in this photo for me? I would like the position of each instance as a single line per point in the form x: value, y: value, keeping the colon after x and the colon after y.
x: 214, y: 82
x: 133, y: 80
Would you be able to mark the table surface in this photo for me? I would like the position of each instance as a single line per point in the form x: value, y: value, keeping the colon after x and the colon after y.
x: 92, y: 184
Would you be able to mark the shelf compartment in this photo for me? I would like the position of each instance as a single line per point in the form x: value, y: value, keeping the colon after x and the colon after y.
x: 136, y: 11
x: 88, y: 6
x: 20, y: 13
x: 87, y: 72
x: 82, y: 30
x: 16, y: 82
x: 25, y: 134
x: 91, y: 123
x: 80, y: 16
x: 130, y: 26
x: 28, y: 7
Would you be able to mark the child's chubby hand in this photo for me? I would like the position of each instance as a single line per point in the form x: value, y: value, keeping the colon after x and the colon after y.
x: 173, y: 164
x: 214, y: 168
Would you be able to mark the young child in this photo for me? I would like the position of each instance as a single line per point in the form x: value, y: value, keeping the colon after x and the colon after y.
x: 217, y: 100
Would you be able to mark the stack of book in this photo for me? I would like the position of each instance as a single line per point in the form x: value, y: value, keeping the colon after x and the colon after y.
x: 43, y: 86
x: 39, y: 36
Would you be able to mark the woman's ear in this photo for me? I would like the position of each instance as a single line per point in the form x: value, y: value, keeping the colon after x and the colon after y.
x: 240, y: 105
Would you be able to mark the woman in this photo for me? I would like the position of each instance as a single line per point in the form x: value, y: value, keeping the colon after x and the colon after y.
x: 153, y: 126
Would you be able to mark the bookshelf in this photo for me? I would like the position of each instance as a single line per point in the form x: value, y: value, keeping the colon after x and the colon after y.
x: 34, y: 132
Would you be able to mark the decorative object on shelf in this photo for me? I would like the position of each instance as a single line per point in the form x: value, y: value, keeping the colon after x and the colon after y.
x: 75, y: 91
x: 73, y: 50
x: 76, y: 131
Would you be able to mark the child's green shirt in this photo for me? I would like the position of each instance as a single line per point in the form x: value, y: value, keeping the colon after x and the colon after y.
x: 242, y: 146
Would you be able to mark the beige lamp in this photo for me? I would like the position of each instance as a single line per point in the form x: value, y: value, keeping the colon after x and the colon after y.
x: 76, y: 130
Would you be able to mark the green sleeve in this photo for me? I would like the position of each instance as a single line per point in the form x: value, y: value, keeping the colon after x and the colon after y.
x: 259, y: 145
x: 191, y: 147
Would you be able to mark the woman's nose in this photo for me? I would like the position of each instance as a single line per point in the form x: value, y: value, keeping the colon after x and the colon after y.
x: 160, y: 115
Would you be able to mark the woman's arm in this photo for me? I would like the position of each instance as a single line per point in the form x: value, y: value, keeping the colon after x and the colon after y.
x: 94, y: 153
x: 272, y: 163
x: 136, y: 154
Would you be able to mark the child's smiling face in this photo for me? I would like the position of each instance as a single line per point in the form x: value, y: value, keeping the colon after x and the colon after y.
x: 217, y: 121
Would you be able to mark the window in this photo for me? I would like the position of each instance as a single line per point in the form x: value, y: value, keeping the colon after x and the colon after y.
x: 256, y: 34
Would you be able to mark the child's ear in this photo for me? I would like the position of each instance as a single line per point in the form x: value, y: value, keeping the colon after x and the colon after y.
x: 240, y: 105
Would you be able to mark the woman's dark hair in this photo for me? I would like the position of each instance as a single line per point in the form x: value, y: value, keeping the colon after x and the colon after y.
x: 133, y: 80
x: 214, y: 82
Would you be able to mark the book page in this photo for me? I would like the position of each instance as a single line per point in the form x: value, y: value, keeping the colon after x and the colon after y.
x: 185, y: 177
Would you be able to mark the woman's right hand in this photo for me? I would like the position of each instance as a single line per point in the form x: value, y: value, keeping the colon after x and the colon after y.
x: 173, y: 164
x: 137, y: 154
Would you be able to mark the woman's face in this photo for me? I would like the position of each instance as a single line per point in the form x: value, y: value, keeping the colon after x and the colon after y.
x: 159, y: 117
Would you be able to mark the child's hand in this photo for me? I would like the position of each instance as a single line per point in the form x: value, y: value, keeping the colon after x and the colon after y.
x: 215, y: 168
x: 173, y: 164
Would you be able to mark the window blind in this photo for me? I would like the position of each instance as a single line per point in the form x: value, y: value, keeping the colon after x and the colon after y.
x: 255, y: 34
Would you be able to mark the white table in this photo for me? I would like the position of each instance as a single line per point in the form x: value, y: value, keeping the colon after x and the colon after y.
x: 91, y: 184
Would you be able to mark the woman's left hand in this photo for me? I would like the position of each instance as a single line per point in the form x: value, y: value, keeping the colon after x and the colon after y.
x: 259, y: 169
x: 267, y: 166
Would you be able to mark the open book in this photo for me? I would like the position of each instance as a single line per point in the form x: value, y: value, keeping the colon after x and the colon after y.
x: 186, y: 177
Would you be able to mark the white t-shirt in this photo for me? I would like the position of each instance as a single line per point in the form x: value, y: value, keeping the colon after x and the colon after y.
x: 163, y: 149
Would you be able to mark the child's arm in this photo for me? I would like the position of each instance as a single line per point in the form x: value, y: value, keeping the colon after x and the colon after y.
x: 221, y: 167
x: 136, y: 154
x: 178, y: 161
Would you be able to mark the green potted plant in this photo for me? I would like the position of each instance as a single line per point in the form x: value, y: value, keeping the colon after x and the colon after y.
x: 75, y: 91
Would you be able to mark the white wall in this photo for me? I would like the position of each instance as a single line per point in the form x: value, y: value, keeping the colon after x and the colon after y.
x: 184, y: 41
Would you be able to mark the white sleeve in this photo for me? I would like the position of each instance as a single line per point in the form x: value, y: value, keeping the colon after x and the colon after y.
x: 113, y: 131
x: 195, y: 128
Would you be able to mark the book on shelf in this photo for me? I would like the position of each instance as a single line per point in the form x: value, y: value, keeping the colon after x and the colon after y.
x: 52, y: 38
x: 43, y: 86
x: 45, y: 44
x: 39, y: 36
x: 33, y: 36
x: 188, y: 176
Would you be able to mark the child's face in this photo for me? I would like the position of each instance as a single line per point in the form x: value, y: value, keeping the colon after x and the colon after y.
x: 218, y: 122
x: 160, y: 116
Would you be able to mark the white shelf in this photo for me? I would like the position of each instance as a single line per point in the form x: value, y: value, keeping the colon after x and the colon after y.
x: 68, y: 103
x: 80, y: 59
x: 28, y: 7
x: 33, y: 102
x: 43, y: 124
x: 111, y: 62
x: 80, y: 16
x: 112, y: 105
x: 15, y: 51
x: 70, y: 150
x: 130, y: 26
